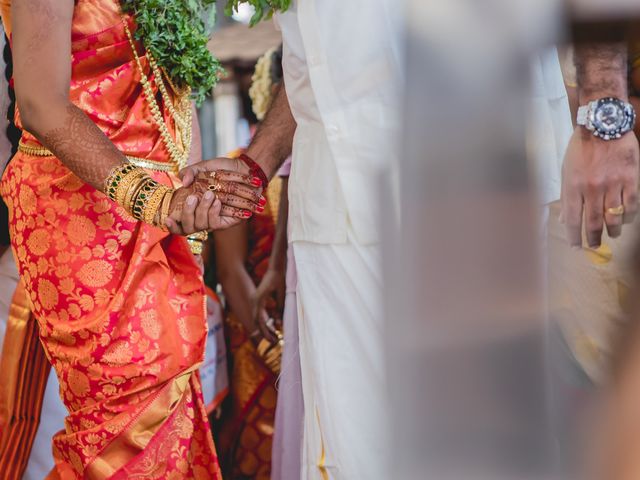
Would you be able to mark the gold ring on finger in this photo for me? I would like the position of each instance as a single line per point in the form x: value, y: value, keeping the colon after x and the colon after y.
x: 619, y: 210
x: 216, y: 187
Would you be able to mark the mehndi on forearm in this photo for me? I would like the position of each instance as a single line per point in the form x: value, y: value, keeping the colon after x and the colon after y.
x: 83, y: 148
x: 86, y: 151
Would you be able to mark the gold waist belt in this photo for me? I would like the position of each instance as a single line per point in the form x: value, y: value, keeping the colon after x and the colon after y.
x: 138, y: 162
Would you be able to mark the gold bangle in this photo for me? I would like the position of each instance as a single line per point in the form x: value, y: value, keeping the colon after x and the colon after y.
x: 199, y: 236
x: 129, y: 187
x: 164, y: 209
x: 116, y: 175
x: 153, y: 203
x: 196, y: 246
x: 140, y: 200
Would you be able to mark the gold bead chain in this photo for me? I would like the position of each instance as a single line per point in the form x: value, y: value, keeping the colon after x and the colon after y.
x: 184, y: 118
x: 179, y: 156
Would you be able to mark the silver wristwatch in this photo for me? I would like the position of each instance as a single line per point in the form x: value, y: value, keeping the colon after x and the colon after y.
x: 608, y: 118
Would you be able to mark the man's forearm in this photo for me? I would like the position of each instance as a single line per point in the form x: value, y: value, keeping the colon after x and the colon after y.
x: 278, y: 260
x: 601, y: 71
x: 273, y: 140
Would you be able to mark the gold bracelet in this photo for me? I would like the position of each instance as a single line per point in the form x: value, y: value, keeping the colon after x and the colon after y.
x: 199, y: 236
x: 196, y: 246
x: 152, y: 206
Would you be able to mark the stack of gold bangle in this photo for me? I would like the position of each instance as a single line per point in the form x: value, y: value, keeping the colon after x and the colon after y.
x: 143, y: 198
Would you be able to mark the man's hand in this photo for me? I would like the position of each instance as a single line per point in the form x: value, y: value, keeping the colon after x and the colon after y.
x: 599, y: 175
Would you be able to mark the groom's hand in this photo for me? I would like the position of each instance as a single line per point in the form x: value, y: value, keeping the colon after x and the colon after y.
x: 599, y: 176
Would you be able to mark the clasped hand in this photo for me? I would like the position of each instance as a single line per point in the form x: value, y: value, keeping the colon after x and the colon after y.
x: 216, y: 194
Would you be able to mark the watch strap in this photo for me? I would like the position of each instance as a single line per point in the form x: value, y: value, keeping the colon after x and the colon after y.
x: 582, y: 118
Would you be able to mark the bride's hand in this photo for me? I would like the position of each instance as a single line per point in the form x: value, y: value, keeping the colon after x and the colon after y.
x: 213, y: 203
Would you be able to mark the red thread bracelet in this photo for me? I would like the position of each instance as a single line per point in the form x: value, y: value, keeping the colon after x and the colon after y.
x: 255, y: 169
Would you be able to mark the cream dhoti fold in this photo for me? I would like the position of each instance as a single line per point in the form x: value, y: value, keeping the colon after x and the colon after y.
x: 340, y: 320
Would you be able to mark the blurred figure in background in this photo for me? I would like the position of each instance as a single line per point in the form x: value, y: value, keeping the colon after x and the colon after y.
x: 591, y: 273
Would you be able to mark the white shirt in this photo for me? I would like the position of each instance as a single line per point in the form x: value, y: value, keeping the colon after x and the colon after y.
x: 550, y: 123
x: 342, y: 74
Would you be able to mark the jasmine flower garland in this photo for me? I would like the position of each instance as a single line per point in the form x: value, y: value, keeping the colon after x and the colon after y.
x: 176, y: 32
x: 263, y: 8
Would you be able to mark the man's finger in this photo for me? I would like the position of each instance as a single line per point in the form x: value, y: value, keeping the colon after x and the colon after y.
x: 214, y: 214
x: 630, y: 202
x: 188, y: 214
x: 187, y: 175
x: 613, y: 220
x: 572, y: 217
x: 594, y: 219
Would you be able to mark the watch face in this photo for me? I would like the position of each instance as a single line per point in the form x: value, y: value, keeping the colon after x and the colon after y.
x: 609, y: 116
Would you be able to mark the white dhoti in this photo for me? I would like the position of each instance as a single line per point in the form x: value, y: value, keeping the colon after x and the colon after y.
x: 340, y: 320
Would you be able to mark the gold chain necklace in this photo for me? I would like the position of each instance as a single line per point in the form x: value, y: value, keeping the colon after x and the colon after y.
x: 179, y: 154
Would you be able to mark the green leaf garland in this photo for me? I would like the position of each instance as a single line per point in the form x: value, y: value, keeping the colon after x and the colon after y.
x: 177, y: 32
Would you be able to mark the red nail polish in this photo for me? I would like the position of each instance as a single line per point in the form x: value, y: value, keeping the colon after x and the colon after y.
x: 259, y: 209
x: 247, y: 214
x: 256, y: 182
x: 262, y: 202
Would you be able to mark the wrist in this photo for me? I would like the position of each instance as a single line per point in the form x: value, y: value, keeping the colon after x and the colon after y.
x: 255, y: 169
x: 264, y: 159
x: 616, y: 89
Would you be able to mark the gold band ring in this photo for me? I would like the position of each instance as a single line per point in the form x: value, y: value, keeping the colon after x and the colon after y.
x: 216, y: 187
x: 619, y: 210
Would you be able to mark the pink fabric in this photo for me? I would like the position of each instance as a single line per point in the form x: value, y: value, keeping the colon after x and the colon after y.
x: 286, y: 455
x: 285, y: 169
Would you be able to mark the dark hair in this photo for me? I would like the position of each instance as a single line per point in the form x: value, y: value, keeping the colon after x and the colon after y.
x: 13, y: 135
x: 276, y: 66
x: 13, y: 132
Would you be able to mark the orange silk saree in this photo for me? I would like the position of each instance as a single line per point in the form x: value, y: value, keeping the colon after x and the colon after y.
x: 119, y: 304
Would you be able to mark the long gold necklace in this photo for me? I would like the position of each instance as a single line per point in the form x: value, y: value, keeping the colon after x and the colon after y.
x: 179, y: 153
